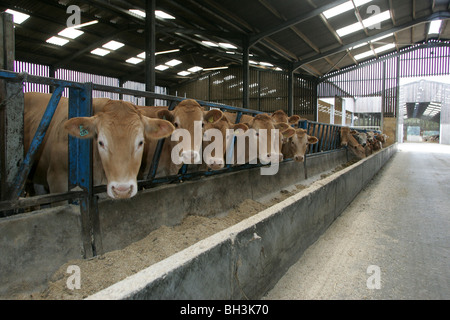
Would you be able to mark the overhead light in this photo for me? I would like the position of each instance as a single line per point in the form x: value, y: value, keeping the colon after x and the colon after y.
x: 183, y: 73
x: 227, y: 45
x: 137, y: 12
x: 158, y: 13
x: 346, y: 6
x: 173, y: 62
x: 195, y: 69
x: 216, y: 68
x: 134, y: 60
x: 435, y: 27
x: 70, y: 33
x: 141, y: 55
x: 210, y: 43
x: 266, y: 64
x: 161, y: 67
x: 18, y: 17
x: 230, y: 52
x: 252, y: 62
x: 167, y: 51
x: 163, y: 15
x: 364, y: 55
x: 57, y: 41
x: 85, y: 24
x: 113, y: 45
x: 100, y: 52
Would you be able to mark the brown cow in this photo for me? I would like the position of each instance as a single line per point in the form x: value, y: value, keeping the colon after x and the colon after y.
x: 189, y: 116
x: 296, y: 146
x: 215, y: 159
x: 347, y: 140
x: 281, y: 116
x: 118, y: 130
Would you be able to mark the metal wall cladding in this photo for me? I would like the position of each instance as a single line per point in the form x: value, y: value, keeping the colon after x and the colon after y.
x: 268, y: 90
x: 70, y: 75
x: 381, y: 78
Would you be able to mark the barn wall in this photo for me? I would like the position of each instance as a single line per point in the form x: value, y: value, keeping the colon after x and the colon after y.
x: 253, y: 255
x: 268, y: 90
x: 34, y: 245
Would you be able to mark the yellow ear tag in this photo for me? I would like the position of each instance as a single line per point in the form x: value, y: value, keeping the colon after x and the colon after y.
x: 211, y: 120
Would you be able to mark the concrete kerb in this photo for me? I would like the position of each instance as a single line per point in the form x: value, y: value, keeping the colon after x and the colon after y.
x: 247, y: 259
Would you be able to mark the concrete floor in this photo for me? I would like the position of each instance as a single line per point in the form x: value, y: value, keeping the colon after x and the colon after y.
x: 397, y: 231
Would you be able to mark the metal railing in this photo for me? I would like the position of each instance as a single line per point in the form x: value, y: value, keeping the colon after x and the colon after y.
x: 80, y: 150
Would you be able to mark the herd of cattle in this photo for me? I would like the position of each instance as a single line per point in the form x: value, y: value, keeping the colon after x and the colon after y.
x: 126, y: 137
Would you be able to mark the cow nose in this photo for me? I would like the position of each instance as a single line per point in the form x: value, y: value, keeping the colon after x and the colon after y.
x: 122, y: 191
x: 215, y: 163
x: 190, y: 157
x: 299, y: 158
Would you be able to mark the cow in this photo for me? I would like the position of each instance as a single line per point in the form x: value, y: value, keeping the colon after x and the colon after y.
x: 281, y: 116
x: 361, y: 137
x: 215, y: 159
x: 118, y: 130
x: 263, y: 122
x: 347, y: 140
x: 185, y: 116
x: 297, y: 145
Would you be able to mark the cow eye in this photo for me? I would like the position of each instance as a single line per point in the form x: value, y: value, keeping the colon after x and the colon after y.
x: 101, y: 144
x: 141, y: 143
x: 176, y: 124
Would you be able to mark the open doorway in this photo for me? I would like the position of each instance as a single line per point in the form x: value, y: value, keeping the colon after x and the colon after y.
x: 424, y: 110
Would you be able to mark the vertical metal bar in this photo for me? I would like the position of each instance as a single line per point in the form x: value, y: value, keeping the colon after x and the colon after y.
x: 150, y: 49
x: 158, y: 150
x: 30, y: 157
x: 81, y: 172
x: 245, y: 73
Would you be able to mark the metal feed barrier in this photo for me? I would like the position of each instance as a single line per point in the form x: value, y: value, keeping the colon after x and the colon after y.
x: 80, y: 150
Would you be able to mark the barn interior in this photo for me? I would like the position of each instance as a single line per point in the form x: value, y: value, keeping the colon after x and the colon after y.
x: 338, y: 63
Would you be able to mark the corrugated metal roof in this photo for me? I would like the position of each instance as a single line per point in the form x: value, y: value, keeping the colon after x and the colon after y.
x: 293, y: 33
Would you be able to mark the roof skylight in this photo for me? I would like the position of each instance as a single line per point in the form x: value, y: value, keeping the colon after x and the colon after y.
x: 113, y: 45
x: 18, y: 17
x: 366, y: 23
x: 183, y: 73
x: 435, y: 27
x: 57, y: 41
x: 162, y: 67
x: 134, y: 60
x: 173, y: 62
x: 346, y: 6
x: 100, y: 52
x: 70, y: 33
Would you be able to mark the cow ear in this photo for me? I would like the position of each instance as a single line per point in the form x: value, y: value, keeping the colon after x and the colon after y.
x: 294, y: 119
x: 213, y: 115
x: 312, y: 140
x: 157, y: 128
x: 239, y: 128
x: 165, y: 115
x: 289, y: 132
x: 281, y: 125
x: 81, y: 127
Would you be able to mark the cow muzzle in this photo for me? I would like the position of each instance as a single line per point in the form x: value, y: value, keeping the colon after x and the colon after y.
x: 190, y: 157
x: 215, y: 163
x: 122, y: 190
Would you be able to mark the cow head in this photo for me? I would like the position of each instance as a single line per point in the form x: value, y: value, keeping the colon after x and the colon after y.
x: 297, y: 145
x: 215, y: 159
x: 264, y: 122
x: 119, y: 132
x: 185, y: 116
x: 281, y: 116
x: 347, y: 140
